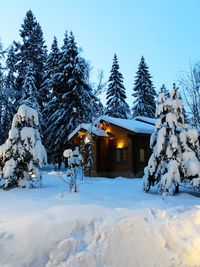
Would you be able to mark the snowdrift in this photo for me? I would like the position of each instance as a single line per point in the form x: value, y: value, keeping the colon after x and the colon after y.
x: 98, y: 226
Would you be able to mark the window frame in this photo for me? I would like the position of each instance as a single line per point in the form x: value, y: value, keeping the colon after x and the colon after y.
x: 143, y: 158
x: 121, y: 155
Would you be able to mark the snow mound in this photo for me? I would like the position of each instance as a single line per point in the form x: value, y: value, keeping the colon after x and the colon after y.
x: 106, y: 239
x: 102, y: 225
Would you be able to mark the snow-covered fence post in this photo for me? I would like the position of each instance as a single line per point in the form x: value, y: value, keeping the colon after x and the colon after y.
x: 75, y: 162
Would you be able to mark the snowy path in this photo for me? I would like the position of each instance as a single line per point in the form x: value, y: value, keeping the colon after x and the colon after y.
x: 109, y: 223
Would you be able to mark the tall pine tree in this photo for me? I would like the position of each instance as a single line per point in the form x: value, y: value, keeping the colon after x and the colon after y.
x: 10, y: 81
x: 2, y: 102
x: 29, y: 90
x: 144, y: 92
x: 51, y: 68
x: 71, y: 100
x: 116, y: 105
x: 7, y: 107
x: 31, y: 50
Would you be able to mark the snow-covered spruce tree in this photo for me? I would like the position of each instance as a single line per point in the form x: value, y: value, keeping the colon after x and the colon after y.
x: 51, y: 68
x: 10, y: 81
x: 116, y: 105
x: 144, y: 92
x: 22, y: 154
x: 87, y: 150
x: 7, y: 110
x: 1, y: 101
x: 70, y: 105
x: 8, y: 94
x: 31, y: 50
x: 6, y: 107
x: 175, y: 146
x: 29, y: 94
x: 164, y: 90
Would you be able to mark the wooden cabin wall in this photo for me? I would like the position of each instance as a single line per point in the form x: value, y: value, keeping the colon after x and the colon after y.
x: 104, y: 149
x: 106, y: 152
x: 140, y: 141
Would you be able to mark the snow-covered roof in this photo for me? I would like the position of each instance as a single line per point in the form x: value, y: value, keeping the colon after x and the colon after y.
x: 132, y: 125
x: 90, y: 128
x: 146, y: 119
x: 137, y: 125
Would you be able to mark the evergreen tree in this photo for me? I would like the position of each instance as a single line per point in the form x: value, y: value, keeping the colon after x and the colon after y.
x: 175, y: 146
x: 164, y: 90
x: 6, y: 105
x: 13, y: 95
x: 29, y: 90
x: 7, y: 110
x: 65, y: 42
x: 6, y: 102
x: 71, y: 100
x: 22, y: 154
x: 2, y: 103
x: 116, y: 95
x: 51, y: 68
x: 78, y: 94
x: 144, y: 92
x: 32, y: 50
x: 10, y: 80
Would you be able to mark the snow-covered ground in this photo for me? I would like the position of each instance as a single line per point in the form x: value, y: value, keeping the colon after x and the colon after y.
x: 108, y: 223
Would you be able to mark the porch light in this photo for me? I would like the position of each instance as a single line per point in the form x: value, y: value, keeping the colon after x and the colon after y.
x: 81, y: 134
x: 87, y: 139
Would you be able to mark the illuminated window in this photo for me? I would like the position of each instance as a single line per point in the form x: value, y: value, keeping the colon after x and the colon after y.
x: 120, y: 155
x: 142, y: 155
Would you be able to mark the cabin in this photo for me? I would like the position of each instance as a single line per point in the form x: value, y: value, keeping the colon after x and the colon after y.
x: 120, y: 147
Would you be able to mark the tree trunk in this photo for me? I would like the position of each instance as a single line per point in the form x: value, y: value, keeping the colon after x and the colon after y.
x: 177, y: 189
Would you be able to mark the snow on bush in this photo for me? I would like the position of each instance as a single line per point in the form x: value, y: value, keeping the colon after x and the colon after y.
x: 75, y: 160
x: 23, y: 153
x: 175, y: 148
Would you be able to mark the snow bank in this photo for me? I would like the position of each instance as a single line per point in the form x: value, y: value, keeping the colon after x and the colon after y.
x: 102, y: 225
x: 90, y: 236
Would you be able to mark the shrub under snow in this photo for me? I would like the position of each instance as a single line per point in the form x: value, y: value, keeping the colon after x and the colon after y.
x: 22, y: 154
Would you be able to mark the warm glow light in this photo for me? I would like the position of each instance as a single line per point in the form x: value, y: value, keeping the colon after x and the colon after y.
x: 81, y: 134
x: 108, y: 130
x: 120, y: 144
x: 87, y: 139
x: 104, y: 126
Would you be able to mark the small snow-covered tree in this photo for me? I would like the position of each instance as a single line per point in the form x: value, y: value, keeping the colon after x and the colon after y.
x: 116, y: 105
x: 87, y: 150
x: 175, y: 146
x: 75, y: 160
x: 144, y: 93
x: 22, y: 154
x: 164, y: 90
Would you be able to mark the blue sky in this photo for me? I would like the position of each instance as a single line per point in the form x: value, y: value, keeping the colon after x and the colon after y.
x: 165, y: 32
